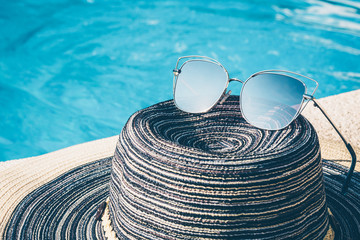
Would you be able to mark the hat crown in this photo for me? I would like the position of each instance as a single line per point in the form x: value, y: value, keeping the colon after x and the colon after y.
x: 182, y: 176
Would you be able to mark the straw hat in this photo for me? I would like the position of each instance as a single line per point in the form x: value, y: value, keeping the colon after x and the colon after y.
x: 183, y: 176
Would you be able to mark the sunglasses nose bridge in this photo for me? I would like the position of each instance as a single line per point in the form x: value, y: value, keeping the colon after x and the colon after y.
x: 235, y: 80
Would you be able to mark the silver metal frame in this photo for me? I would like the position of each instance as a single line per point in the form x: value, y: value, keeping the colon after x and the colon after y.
x: 305, y: 100
x: 177, y: 71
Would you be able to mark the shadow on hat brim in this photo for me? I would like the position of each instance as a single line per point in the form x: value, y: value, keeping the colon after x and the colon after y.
x: 65, y: 208
x: 345, y: 208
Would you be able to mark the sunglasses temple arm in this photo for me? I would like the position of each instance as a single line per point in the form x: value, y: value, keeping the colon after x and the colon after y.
x: 348, y: 146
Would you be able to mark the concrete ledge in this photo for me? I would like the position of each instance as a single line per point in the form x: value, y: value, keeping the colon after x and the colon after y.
x: 344, y: 111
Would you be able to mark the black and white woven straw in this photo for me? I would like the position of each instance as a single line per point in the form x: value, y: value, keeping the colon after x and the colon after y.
x: 176, y: 175
x: 213, y: 176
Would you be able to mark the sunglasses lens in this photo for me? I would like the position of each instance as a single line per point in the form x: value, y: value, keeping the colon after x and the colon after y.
x: 271, y: 101
x: 199, y: 86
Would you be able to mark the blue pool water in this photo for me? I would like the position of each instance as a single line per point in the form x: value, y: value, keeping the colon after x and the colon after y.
x: 72, y: 71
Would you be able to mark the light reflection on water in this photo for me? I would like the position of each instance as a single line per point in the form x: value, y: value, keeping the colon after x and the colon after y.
x: 74, y: 71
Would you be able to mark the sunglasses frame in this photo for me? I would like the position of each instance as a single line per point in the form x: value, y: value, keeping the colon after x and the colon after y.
x: 305, y: 100
x: 177, y: 71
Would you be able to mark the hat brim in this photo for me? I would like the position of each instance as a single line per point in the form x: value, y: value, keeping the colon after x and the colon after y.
x: 65, y: 207
x: 344, y: 207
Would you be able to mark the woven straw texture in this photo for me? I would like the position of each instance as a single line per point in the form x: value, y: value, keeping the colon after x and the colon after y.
x: 214, y: 176
x: 65, y: 207
x: 56, y: 195
x: 18, y: 178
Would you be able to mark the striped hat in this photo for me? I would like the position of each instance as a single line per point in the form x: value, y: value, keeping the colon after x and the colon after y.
x: 176, y: 175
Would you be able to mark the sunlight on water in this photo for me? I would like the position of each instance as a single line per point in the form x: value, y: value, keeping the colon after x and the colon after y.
x: 74, y: 71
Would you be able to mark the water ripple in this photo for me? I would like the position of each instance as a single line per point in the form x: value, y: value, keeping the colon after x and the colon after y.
x: 339, y: 16
x: 74, y: 71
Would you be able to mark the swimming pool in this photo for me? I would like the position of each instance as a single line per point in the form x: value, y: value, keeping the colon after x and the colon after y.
x: 74, y: 71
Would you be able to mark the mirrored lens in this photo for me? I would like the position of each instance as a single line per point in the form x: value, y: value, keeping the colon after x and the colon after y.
x: 199, y: 86
x: 271, y: 101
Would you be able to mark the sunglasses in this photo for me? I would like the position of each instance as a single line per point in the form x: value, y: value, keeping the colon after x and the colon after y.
x: 269, y: 99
